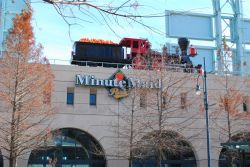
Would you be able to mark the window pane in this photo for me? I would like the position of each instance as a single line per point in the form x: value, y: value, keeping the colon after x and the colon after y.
x: 135, y: 44
x: 92, y: 99
x: 70, y: 98
x: 183, y: 100
x: 244, y: 106
x: 143, y: 98
x: 246, y: 103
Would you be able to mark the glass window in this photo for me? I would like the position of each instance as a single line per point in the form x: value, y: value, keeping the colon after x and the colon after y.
x: 163, y: 101
x: 70, y: 96
x: 92, y: 99
x: 92, y: 96
x: 245, y: 104
x: 67, y: 148
x: 135, y: 44
x: 143, y: 98
x: 183, y: 100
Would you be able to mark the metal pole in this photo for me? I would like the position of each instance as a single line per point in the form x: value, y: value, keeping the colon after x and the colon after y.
x: 240, y: 57
x: 218, y: 36
x: 207, y: 116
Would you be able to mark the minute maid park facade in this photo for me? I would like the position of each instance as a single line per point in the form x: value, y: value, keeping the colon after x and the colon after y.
x: 95, y: 105
x: 93, y: 121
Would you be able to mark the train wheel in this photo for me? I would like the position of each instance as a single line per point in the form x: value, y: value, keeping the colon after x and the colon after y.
x: 139, y: 62
x: 157, y: 64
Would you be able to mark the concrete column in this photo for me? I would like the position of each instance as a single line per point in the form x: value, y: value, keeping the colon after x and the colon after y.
x: 117, y: 162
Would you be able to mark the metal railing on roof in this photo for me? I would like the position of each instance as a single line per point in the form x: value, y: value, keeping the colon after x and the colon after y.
x: 168, y: 67
x: 165, y: 66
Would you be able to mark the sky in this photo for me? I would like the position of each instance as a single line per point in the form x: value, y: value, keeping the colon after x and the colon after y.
x: 54, y: 34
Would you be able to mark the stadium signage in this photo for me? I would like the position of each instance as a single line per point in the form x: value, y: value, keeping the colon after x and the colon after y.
x: 118, y: 84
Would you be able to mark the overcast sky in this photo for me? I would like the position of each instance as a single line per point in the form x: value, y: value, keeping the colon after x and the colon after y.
x: 53, y: 33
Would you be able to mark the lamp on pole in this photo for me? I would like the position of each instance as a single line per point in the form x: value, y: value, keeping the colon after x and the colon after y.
x: 198, y: 91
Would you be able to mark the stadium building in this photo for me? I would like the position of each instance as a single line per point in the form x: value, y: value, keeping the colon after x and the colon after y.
x: 93, y: 121
x: 96, y: 104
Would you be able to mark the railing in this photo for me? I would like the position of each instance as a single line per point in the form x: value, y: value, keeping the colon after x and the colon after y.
x: 165, y: 66
x: 59, y: 62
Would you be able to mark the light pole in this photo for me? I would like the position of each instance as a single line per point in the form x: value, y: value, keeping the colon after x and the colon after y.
x: 204, y: 79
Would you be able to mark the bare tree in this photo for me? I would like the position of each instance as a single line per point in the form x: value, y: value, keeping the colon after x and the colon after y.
x: 26, y: 82
x: 132, y: 125
x: 171, y: 100
x: 145, y: 127
x: 230, y: 99
x: 108, y: 13
x: 228, y: 115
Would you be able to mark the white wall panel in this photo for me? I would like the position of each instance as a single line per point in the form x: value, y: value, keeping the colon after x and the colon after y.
x: 245, y: 30
x: 208, y: 54
x: 195, y: 26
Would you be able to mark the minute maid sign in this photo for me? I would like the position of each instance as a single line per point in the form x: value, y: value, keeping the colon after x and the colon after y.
x: 118, y: 84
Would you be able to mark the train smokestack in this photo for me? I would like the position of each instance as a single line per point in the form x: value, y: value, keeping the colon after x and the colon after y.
x: 183, y: 44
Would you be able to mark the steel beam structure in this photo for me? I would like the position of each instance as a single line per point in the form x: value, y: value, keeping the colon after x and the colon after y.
x: 232, y: 31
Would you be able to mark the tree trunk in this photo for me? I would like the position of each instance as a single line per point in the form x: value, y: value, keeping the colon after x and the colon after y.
x: 130, y: 162
x: 131, y: 134
x: 158, y: 163
x: 131, y: 139
x: 230, y: 159
x: 12, y: 161
x: 12, y: 157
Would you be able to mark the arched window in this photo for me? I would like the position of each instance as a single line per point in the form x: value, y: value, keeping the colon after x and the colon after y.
x: 168, y: 148
x: 69, y: 148
x: 237, y: 152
